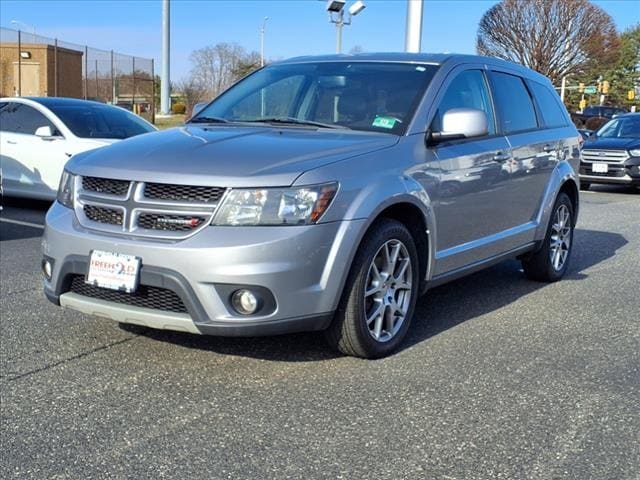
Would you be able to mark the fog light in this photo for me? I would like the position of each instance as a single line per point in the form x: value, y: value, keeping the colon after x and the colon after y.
x: 47, y: 268
x: 245, y: 301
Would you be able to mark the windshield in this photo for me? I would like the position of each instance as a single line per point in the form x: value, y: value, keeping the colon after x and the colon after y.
x: 624, y: 127
x: 378, y: 97
x: 100, y: 121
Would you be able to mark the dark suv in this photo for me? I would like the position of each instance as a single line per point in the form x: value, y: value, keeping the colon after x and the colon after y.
x: 612, y: 154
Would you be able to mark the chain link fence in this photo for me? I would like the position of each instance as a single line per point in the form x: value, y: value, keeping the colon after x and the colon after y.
x: 32, y: 65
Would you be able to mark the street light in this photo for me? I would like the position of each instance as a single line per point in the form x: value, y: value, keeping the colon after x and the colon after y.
x: 264, y: 24
x: 336, y: 15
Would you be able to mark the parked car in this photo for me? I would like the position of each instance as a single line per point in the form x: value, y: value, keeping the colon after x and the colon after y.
x: 612, y: 154
x: 38, y: 135
x: 601, y: 112
x: 321, y: 193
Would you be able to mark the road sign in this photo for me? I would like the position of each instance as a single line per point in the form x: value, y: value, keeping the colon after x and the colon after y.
x: 591, y: 89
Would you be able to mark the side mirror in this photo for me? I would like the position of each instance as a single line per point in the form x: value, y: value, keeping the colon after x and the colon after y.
x: 197, y: 108
x: 46, y: 133
x: 460, y: 123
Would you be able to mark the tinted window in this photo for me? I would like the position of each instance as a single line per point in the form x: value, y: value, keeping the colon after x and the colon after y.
x: 20, y: 118
x: 515, y: 109
x: 467, y: 90
x: 100, y: 121
x: 376, y: 96
x: 553, y: 114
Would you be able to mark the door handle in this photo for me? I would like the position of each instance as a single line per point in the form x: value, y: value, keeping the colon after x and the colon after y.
x: 548, y: 148
x: 501, y: 157
x: 12, y: 142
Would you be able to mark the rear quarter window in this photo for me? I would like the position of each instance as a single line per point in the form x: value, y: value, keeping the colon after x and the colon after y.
x: 513, y: 103
x: 552, y: 111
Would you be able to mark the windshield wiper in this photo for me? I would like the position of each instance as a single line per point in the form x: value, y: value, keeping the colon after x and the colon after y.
x: 208, y: 120
x: 297, y: 121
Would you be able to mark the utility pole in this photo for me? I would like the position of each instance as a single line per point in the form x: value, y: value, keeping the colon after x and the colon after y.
x: 264, y: 24
x: 413, y: 34
x: 339, y: 25
x: 165, y: 86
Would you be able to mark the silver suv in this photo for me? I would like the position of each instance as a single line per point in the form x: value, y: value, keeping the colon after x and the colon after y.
x: 320, y: 193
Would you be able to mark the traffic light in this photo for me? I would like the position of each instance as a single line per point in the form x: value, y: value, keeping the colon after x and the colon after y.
x: 605, y: 87
x: 631, y: 94
x: 583, y: 104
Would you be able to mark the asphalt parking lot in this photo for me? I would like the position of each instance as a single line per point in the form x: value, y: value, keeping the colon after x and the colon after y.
x: 501, y: 378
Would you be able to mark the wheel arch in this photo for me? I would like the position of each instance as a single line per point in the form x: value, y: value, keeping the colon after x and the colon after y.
x: 418, y: 218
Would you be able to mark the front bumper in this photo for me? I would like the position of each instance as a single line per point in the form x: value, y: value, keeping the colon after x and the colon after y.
x: 302, y: 267
x: 624, y: 173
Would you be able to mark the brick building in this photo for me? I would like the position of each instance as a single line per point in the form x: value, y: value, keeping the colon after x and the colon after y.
x: 37, y: 66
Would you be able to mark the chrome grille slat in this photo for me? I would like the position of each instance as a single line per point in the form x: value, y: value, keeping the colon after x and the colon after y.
x: 182, y: 210
x: 608, y: 156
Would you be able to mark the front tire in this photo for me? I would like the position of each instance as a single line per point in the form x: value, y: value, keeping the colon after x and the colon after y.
x: 550, y: 263
x: 380, y: 294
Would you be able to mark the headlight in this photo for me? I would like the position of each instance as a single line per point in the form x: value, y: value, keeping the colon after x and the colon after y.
x: 635, y: 152
x: 276, y: 206
x: 65, y: 190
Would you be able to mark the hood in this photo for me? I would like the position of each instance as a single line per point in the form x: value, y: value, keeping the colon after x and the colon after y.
x: 601, y: 143
x: 225, y: 155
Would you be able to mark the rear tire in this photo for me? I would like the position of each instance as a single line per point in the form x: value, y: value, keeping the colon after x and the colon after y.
x: 550, y: 263
x: 585, y: 186
x: 380, y: 294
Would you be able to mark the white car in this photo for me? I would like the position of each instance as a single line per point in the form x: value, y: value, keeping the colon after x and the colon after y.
x: 38, y: 135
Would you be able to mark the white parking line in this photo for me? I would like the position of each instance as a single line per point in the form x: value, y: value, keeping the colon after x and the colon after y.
x: 20, y: 222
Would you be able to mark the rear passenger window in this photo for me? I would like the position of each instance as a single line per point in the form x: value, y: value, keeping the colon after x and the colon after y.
x: 467, y: 90
x: 553, y: 114
x: 513, y: 102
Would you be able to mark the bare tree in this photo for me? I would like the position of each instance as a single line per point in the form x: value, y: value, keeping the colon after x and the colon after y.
x: 553, y: 37
x: 193, y: 91
x: 217, y: 66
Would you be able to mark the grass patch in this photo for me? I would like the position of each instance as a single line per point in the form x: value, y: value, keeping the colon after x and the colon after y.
x: 168, y: 122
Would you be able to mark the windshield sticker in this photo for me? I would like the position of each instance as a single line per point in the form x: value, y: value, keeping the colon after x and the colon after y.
x: 384, y: 122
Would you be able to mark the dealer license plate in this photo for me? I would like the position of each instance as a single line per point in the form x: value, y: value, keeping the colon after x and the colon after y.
x: 113, y: 270
x: 599, y: 167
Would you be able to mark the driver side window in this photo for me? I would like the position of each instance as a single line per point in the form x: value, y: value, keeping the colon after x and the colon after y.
x: 467, y: 90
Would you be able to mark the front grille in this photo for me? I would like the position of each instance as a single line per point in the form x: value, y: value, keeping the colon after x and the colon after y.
x: 105, y: 185
x: 146, y: 296
x: 170, y: 223
x: 183, y: 193
x: 111, y: 216
x: 152, y: 210
x: 609, y: 156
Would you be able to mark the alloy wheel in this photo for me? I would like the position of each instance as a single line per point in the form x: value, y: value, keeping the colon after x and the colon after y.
x: 387, y: 295
x: 560, y: 238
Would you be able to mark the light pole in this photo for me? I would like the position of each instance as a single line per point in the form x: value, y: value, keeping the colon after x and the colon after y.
x: 336, y: 15
x: 264, y: 24
x: 31, y: 27
x: 165, y: 85
x: 413, y: 34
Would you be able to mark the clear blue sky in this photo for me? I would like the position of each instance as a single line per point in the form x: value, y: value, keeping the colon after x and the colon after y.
x: 295, y: 27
